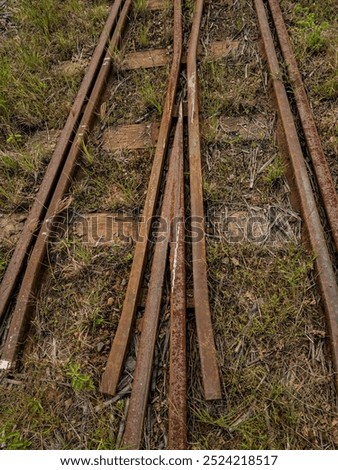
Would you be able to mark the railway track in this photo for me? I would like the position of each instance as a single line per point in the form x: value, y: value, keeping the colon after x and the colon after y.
x: 170, y: 196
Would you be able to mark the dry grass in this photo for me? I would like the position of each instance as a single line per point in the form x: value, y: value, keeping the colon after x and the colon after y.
x: 272, y: 346
x: 56, y: 400
x: 152, y: 30
x: 115, y: 181
x: 136, y: 96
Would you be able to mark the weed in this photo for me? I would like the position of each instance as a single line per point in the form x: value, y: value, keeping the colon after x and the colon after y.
x: 254, y: 433
x: 204, y: 417
x: 129, y: 257
x: 328, y: 88
x: 211, y: 191
x: 12, y: 440
x: 274, y: 172
x: 120, y: 406
x: 8, y: 161
x: 190, y: 8
x: 102, y: 437
x: 93, y: 305
x: 150, y: 93
x: 140, y: 5
x: 87, y: 153
x: 210, y: 131
x: 310, y: 31
x: 144, y: 36
x: 79, y: 380
x: 36, y: 407
x: 224, y: 89
x: 101, y: 441
x: 117, y: 55
x: 3, y: 265
x: 14, y: 139
x: 10, y: 192
x: 214, y: 100
x: 294, y: 268
x: 98, y: 319
x: 81, y: 253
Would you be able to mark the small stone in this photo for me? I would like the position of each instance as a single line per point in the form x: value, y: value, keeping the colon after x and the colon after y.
x: 100, y: 346
x: 124, y: 282
x: 110, y: 301
x: 130, y: 364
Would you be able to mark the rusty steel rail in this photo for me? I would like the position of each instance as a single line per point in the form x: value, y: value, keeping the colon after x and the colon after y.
x: 207, y: 349
x: 140, y: 390
x: 111, y: 375
x: 177, y: 435
x: 28, y: 287
x: 320, y: 164
x: 54, y: 168
x: 325, y: 273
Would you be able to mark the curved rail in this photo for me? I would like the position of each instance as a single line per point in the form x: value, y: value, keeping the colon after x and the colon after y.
x: 119, y: 347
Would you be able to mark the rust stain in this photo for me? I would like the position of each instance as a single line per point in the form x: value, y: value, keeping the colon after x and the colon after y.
x: 177, y: 435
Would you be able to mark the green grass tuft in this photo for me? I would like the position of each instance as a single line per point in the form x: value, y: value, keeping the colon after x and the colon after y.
x: 80, y: 381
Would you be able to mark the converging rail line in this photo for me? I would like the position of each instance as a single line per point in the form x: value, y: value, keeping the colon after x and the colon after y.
x: 170, y: 195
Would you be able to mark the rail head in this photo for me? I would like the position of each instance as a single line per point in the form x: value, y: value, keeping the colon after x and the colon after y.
x: 209, y: 367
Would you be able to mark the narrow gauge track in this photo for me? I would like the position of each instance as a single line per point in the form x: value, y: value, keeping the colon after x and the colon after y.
x: 22, y: 275
x: 326, y: 275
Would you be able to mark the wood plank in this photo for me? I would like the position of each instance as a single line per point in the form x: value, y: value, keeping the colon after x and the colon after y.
x: 161, y: 57
x: 243, y: 127
x: 105, y: 228
x: 146, y: 59
x: 260, y: 225
x: 144, y: 135
x: 158, y: 4
x: 131, y: 136
x: 218, y: 49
